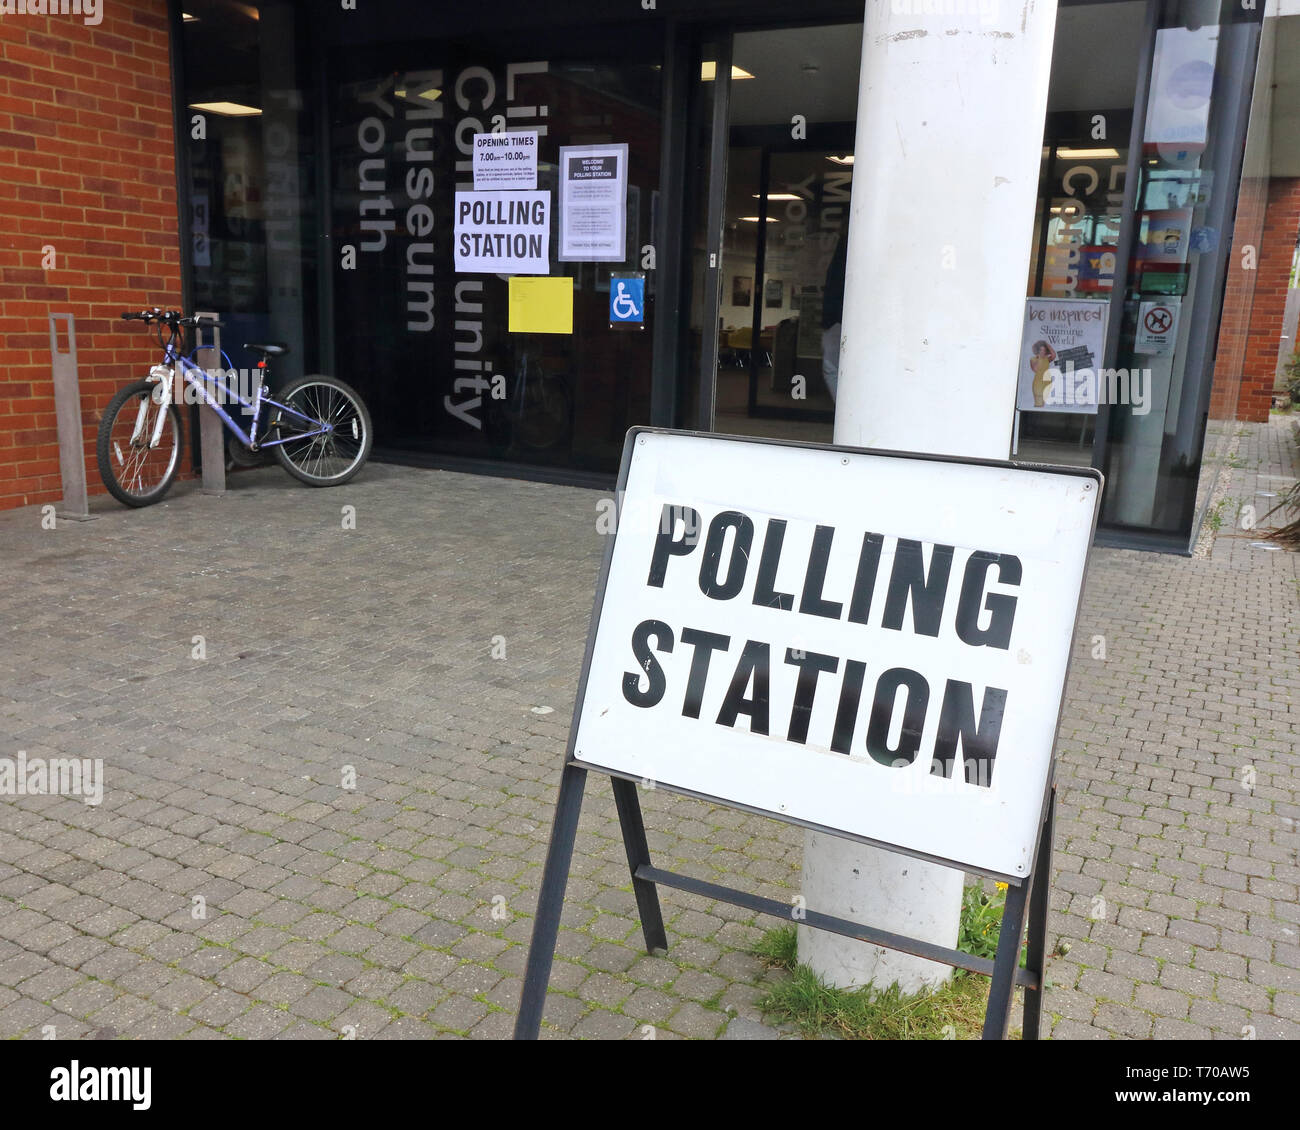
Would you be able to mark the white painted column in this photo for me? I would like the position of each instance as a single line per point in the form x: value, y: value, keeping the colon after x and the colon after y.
x: 949, y: 138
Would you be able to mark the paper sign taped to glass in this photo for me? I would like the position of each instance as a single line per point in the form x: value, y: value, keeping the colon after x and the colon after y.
x: 1062, y: 351
x: 503, y: 233
x: 541, y: 305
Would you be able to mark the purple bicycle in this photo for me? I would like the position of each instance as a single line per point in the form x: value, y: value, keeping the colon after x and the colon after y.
x: 319, y: 428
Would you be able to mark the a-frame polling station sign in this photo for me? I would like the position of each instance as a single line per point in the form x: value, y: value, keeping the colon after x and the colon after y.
x: 870, y: 643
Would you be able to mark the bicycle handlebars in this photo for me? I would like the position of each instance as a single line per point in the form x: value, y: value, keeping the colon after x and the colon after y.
x: 169, y: 317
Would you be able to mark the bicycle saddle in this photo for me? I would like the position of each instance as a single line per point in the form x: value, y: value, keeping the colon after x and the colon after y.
x: 268, y: 349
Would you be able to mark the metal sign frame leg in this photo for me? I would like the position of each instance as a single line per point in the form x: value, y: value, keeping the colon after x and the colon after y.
x: 997, y: 1014
x: 638, y: 854
x: 1029, y: 899
x: 550, y: 903
x: 1039, y: 898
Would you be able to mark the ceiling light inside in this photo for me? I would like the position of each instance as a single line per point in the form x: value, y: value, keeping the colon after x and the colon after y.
x: 226, y: 109
x: 430, y: 94
x: 1087, y: 154
x: 847, y: 159
x: 709, y: 71
x: 777, y: 196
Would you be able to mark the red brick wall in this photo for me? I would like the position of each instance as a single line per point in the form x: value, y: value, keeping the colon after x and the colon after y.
x: 1234, y: 321
x: 1254, y: 305
x: 1281, y: 224
x: 87, y: 167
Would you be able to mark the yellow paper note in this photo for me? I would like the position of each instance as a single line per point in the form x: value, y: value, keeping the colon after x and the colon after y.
x: 541, y: 305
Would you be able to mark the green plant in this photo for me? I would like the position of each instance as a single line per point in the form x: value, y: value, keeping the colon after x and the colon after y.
x: 1292, y: 370
x: 1214, y: 519
x: 953, y: 1011
x: 981, y: 920
x: 779, y: 947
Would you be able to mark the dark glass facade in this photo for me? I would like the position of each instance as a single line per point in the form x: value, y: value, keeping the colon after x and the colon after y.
x: 324, y: 149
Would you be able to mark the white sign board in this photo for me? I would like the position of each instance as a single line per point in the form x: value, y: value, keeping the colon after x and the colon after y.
x: 1062, y: 348
x: 1157, y: 327
x: 593, y: 203
x: 871, y: 644
x: 504, y: 161
x: 503, y: 233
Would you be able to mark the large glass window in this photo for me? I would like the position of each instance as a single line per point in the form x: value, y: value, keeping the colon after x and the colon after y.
x: 250, y: 162
x: 1186, y: 198
x: 432, y: 347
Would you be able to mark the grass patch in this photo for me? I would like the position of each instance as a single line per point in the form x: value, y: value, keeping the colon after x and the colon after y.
x: 953, y: 1012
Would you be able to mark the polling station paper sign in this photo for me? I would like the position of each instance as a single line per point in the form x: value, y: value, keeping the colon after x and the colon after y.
x: 503, y: 233
x: 871, y: 643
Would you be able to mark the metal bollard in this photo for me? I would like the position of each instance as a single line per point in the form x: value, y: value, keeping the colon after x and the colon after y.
x: 67, y: 411
x: 212, y: 434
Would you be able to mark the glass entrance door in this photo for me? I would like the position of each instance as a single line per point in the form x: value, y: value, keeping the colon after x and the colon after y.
x: 768, y: 277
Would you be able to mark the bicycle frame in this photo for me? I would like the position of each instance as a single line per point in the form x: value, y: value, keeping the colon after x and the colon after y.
x: 198, y: 379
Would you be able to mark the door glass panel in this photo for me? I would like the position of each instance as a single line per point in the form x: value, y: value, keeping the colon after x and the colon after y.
x: 706, y: 175
x: 792, y: 119
x: 1076, y: 227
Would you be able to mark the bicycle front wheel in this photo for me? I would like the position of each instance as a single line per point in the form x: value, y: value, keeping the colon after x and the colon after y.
x: 328, y: 459
x: 137, y: 471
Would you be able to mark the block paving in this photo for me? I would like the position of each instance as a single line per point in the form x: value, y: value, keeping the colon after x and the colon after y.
x: 331, y: 756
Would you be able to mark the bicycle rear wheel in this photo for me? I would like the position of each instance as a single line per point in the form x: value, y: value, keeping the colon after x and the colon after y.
x: 134, y: 472
x: 322, y: 460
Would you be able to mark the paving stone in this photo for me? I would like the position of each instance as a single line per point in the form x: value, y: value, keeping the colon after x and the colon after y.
x: 219, y: 1008
x: 1218, y: 1015
x: 362, y: 889
x: 362, y: 1021
x: 494, y: 1026
x: 1161, y: 1002
x: 602, y: 1025
x: 697, y: 1022
x: 260, y: 1022
x: 406, y: 1028
x: 738, y: 1028
x: 1166, y: 1029
x: 1106, y: 986
x: 245, y: 975
x: 458, y: 1012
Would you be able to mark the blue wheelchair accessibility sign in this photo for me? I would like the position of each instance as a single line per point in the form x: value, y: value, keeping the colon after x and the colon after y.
x: 626, y: 300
